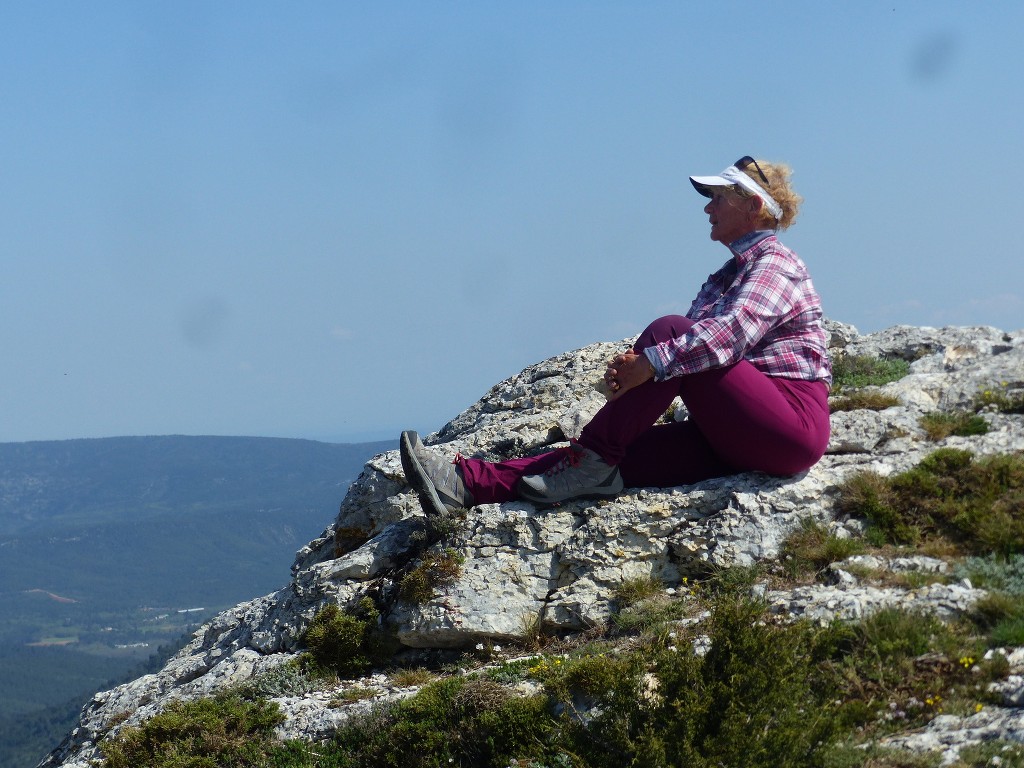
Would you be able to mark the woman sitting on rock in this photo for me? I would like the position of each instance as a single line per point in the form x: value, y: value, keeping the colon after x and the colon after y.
x: 749, y: 360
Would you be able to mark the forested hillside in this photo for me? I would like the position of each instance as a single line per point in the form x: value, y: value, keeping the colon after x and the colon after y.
x: 112, y: 549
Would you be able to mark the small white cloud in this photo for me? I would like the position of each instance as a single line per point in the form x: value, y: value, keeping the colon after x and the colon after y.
x: 342, y: 334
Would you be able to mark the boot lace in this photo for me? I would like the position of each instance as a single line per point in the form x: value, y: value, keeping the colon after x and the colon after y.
x: 570, y: 458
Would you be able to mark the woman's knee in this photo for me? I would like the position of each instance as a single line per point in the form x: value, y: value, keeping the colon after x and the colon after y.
x: 663, y: 329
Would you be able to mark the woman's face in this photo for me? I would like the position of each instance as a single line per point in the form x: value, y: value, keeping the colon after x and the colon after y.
x: 730, y: 216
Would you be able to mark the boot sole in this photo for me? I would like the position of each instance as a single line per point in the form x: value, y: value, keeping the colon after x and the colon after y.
x: 419, y: 480
x: 614, y: 490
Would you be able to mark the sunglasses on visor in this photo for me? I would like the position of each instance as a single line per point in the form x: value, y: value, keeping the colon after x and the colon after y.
x: 746, y: 160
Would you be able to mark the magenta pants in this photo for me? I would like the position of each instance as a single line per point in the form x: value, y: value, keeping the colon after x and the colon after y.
x: 741, y: 420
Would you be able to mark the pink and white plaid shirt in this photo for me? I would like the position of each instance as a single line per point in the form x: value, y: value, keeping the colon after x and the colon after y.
x: 760, y: 306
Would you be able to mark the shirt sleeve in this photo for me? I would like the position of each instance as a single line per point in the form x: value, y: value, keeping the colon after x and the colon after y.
x: 725, y: 330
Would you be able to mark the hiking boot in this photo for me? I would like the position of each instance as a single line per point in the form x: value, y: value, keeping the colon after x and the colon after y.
x: 438, y: 481
x: 580, y: 474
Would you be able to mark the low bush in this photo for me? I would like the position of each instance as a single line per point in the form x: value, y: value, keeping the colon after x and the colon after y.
x: 975, y: 506
x: 1002, y: 574
x: 205, y: 733
x: 456, y: 721
x: 347, y: 644
x: 293, y: 678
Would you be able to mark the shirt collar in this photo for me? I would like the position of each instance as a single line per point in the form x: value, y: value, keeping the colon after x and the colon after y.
x: 749, y: 240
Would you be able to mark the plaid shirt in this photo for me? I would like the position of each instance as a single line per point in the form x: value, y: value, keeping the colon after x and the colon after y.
x: 760, y: 306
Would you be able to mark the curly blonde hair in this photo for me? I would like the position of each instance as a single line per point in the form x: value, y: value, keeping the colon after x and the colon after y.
x: 781, y: 190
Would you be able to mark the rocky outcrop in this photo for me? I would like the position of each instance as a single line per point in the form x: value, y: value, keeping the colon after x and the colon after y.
x: 559, y: 567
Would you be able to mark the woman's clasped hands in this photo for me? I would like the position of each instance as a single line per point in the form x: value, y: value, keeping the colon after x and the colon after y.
x: 626, y: 371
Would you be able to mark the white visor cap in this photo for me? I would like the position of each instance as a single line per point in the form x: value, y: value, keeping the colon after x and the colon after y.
x: 731, y: 177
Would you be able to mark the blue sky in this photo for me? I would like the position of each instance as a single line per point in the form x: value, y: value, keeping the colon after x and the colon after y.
x: 338, y: 220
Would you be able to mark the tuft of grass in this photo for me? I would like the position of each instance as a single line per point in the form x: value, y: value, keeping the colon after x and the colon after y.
x: 436, y: 569
x: 649, y: 615
x: 411, y: 678
x: 855, y: 755
x: 971, y: 505
x: 869, y: 495
x: 1001, y: 615
x: 938, y: 425
x: 811, y: 548
x: 223, y: 730
x: 854, y: 371
x: 1009, y: 632
x: 351, y: 695
x: 632, y: 591
x: 348, y: 644
x: 862, y: 400
x: 901, y: 668
x: 1001, y: 398
x: 997, y: 752
x: 536, y: 633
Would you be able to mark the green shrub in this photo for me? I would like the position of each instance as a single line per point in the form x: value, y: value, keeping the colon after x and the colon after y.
x: 755, y: 698
x: 1003, y: 574
x: 850, y: 371
x: 205, y: 733
x: 939, y: 425
x: 436, y: 569
x: 293, y: 678
x: 456, y: 721
x: 974, y: 505
x: 347, y: 644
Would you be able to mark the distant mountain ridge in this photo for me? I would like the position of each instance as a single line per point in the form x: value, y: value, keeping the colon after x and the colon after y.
x: 72, y: 480
x: 126, y: 530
